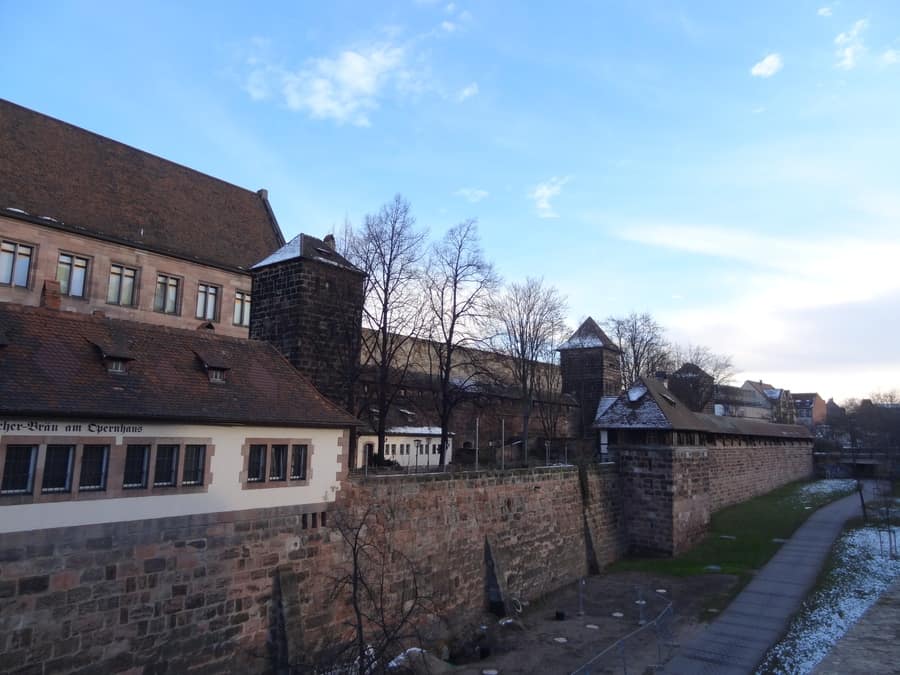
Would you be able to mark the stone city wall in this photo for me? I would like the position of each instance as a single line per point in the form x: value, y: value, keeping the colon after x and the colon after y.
x: 214, y: 592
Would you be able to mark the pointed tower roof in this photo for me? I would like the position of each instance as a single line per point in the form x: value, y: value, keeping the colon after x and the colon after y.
x: 589, y: 336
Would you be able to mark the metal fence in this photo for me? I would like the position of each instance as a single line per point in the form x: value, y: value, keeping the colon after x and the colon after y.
x: 653, y: 641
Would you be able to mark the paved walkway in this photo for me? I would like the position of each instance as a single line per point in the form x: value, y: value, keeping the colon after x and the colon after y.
x: 741, y: 635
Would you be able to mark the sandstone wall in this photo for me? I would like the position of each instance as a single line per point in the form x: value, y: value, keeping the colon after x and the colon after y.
x: 213, y: 592
x: 739, y: 473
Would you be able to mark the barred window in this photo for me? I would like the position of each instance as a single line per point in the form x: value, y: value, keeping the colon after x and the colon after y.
x: 58, y: 468
x: 137, y: 459
x: 164, y: 472
x: 256, y: 469
x: 94, y: 462
x: 298, y: 462
x: 194, y: 464
x: 18, y: 469
x: 279, y: 462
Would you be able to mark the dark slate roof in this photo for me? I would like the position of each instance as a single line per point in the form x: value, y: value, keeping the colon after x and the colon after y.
x: 52, y: 366
x: 589, y: 336
x: 649, y: 405
x: 309, y: 248
x: 80, y: 181
x: 729, y: 395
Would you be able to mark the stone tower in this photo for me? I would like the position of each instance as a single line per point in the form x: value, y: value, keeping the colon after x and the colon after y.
x: 307, y: 302
x: 590, y: 370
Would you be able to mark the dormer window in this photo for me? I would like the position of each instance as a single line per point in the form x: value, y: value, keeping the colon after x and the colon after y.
x: 116, y: 366
x: 215, y: 363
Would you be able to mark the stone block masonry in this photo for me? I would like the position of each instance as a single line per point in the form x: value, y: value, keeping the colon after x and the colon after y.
x: 208, y: 592
x: 669, y: 493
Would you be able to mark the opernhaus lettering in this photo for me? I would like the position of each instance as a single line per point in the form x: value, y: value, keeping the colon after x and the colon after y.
x: 8, y: 426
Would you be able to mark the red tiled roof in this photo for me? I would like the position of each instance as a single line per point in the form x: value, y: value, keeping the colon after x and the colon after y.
x: 96, y: 186
x: 51, y: 366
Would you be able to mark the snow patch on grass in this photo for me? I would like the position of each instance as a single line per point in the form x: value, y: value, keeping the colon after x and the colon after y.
x: 827, y: 487
x: 859, y: 575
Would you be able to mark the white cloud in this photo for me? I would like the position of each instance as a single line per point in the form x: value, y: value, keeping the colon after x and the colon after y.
x: 450, y: 8
x: 345, y: 88
x: 770, y: 65
x: 467, y: 92
x: 448, y: 26
x: 824, y: 11
x: 890, y: 56
x: 544, y: 192
x: 787, y: 288
x: 850, y: 46
x: 473, y: 195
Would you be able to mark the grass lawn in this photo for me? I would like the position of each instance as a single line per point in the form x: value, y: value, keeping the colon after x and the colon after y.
x: 753, y: 524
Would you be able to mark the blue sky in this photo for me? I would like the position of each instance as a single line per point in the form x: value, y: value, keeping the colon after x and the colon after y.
x: 730, y: 167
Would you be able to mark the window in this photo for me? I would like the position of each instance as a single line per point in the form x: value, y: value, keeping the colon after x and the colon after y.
x: 241, y: 308
x: 167, y: 294
x: 58, y: 468
x: 298, y: 462
x: 18, y: 469
x: 15, y: 263
x: 71, y: 273
x: 115, y: 366
x: 121, y: 285
x: 256, y: 469
x: 137, y: 457
x: 94, y: 461
x: 194, y: 462
x: 279, y: 462
x: 165, y: 471
x: 216, y: 374
x: 207, y: 302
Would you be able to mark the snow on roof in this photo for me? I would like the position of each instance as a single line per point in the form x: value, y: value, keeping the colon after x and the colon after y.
x: 604, y: 404
x: 309, y: 247
x: 287, y: 252
x: 582, y: 342
x: 636, y: 392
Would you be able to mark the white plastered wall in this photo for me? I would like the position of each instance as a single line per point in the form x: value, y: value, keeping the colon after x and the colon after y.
x: 225, y: 492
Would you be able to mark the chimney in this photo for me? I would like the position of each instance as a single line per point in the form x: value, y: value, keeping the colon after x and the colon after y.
x: 50, y: 294
x: 262, y: 192
x: 329, y: 241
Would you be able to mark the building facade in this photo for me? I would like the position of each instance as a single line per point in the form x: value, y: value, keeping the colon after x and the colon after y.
x: 124, y: 233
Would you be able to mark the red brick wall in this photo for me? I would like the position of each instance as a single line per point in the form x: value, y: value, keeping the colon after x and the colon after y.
x: 198, y: 591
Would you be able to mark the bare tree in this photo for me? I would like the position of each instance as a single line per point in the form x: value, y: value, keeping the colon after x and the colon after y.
x: 548, y: 388
x: 384, y: 589
x: 642, y: 342
x: 459, y: 282
x: 389, y: 250
x: 890, y: 397
x: 719, y: 366
x: 528, y: 319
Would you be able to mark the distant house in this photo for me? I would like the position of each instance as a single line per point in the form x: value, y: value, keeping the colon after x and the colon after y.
x: 780, y: 400
x: 123, y: 232
x: 810, y: 410
x: 414, y: 447
x: 112, y: 420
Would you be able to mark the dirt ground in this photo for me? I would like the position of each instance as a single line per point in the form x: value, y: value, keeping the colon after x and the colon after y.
x: 536, y: 642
